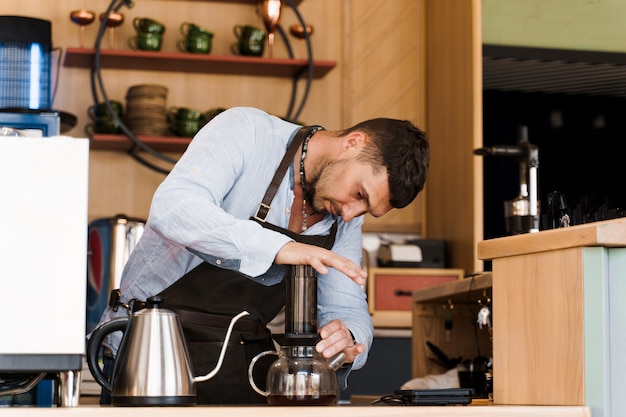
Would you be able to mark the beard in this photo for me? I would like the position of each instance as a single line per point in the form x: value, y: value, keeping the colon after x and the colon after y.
x: 320, y: 182
x: 311, y: 194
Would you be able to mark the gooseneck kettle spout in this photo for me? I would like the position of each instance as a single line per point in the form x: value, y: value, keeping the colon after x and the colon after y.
x: 152, y: 366
x: 223, y: 351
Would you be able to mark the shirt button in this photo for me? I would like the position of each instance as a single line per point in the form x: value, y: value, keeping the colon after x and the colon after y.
x: 218, y: 262
x: 286, y: 211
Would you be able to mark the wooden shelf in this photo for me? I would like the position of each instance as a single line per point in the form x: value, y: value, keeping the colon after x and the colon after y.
x: 194, y: 63
x: 124, y: 143
x: 461, y: 291
x: 254, y: 2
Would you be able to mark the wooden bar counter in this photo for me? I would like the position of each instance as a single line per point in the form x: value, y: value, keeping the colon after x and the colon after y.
x: 559, y: 328
x: 267, y: 411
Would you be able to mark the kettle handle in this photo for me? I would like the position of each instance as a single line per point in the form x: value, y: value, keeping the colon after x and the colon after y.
x: 251, y: 368
x: 93, y: 349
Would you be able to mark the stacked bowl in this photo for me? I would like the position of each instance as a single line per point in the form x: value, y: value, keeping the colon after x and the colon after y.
x: 146, y: 112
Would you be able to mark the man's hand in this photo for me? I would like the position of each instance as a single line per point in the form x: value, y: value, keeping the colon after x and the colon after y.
x: 295, y: 253
x: 336, y: 338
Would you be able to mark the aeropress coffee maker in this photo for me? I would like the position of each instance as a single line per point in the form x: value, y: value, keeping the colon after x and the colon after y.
x: 300, y: 375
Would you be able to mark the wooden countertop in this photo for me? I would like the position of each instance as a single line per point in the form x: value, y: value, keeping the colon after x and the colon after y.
x: 460, y: 291
x: 267, y: 411
x: 609, y: 233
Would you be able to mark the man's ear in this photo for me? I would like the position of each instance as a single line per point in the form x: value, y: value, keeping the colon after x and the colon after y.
x: 354, y: 141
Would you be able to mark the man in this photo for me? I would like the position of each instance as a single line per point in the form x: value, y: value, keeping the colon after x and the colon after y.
x: 218, y: 239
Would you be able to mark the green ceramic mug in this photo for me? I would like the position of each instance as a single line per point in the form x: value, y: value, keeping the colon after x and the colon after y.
x: 250, y: 40
x: 188, y: 29
x: 187, y: 128
x: 176, y: 114
x: 147, y: 25
x: 106, y: 124
x: 103, y: 125
x: 101, y: 109
x: 146, y: 42
x: 199, y: 44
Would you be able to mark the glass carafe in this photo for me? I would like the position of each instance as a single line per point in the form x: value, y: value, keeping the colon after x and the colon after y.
x: 301, y: 376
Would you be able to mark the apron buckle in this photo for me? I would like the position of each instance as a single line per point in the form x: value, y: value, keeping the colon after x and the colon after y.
x: 262, y: 212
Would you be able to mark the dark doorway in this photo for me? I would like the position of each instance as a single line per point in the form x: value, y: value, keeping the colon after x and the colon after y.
x: 579, y: 139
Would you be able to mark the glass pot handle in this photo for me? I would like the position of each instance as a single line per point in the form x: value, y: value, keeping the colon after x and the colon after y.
x: 251, y: 368
x: 337, y: 361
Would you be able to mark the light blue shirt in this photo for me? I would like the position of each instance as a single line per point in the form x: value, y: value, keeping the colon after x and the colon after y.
x: 201, y: 213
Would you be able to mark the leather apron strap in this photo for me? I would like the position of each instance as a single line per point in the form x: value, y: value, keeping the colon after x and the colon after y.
x: 297, y: 140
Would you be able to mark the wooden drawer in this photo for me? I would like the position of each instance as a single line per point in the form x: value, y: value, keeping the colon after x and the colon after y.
x: 389, y: 291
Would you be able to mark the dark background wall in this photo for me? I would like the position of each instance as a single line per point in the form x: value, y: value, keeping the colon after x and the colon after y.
x: 387, y: 368
x: 579, y: 139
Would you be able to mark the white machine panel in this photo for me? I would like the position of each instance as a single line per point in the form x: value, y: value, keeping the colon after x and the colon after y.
x: 43, y: 244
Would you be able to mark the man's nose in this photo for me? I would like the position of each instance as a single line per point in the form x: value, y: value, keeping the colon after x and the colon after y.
x: 352, y: 210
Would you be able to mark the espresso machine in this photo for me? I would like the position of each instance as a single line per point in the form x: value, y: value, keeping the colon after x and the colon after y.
x: 300, y: 375
x: 521, y: 214
x: 43, y: 218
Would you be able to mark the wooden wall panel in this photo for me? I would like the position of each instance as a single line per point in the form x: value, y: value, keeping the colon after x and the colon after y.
x: 454, y: 195
x: 384, y: 57
x: 118, y: 185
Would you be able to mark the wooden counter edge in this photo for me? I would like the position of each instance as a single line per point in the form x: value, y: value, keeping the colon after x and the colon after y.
x: 339, y: 411
x: 609, y: 233
x: 457, y: 291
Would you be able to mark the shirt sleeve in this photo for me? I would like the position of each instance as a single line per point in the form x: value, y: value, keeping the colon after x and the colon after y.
x: 341, y: 298
x: 191, y: 207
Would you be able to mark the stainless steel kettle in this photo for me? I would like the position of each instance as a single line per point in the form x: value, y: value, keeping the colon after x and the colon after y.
x: 152, y: 365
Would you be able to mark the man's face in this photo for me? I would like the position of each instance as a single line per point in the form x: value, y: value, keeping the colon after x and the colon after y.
x: 349, y: 188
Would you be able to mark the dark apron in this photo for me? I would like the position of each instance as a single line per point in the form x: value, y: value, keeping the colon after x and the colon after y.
x: 207, y: 297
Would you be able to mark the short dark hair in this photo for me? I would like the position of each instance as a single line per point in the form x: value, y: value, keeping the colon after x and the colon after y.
x: 401, y: 148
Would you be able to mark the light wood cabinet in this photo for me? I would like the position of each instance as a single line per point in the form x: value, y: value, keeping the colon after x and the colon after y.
x: 389, y: 292
x: 558, y: 312
x: 458, y: 302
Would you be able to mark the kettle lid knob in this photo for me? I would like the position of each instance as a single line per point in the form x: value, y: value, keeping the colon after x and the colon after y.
x: 154, y: 301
